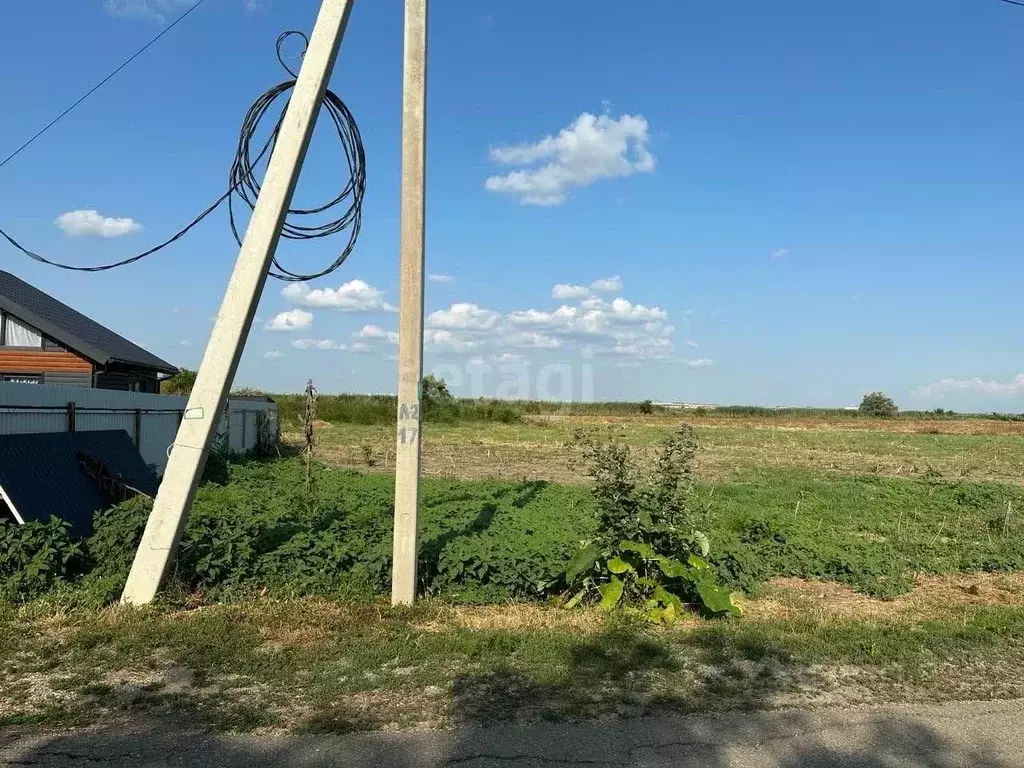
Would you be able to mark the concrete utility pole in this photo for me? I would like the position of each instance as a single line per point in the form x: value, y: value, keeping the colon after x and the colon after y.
x: 206, y: 404
x: 410, y: 323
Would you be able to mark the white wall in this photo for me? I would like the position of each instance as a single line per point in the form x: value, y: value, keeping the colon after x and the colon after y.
x: 29, y: 408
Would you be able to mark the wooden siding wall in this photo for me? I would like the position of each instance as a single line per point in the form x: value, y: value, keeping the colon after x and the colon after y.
x: 18, y: 360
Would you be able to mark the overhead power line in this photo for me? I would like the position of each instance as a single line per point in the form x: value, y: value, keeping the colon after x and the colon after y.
x: 1014, y: 2
x: 101, y: 83
x: 244, y: 185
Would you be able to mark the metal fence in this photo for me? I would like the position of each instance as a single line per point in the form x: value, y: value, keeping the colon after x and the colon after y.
x: 151, y: 420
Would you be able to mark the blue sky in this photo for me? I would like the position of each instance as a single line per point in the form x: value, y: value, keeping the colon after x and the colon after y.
x: 784, y: 203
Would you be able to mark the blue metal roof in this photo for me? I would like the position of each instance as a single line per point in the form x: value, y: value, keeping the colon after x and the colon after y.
x: 42, y: 475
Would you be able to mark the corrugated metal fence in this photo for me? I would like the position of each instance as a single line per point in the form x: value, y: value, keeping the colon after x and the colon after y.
x: 151, y: 420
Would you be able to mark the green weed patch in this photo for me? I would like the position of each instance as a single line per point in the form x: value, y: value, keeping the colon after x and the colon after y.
x: 489, y: 541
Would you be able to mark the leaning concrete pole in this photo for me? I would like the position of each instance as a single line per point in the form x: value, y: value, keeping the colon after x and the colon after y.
x: 410, y: 323
x: 206, y: 404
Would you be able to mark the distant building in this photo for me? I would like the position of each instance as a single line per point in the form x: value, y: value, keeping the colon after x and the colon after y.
x: 43, y: 341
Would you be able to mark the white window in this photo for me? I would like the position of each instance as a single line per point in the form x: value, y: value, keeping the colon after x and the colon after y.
x: 18, y: 334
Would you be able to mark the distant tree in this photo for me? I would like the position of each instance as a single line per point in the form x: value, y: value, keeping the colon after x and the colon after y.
x: 879, y: 405
x: 435, y: 392
x: 438, y: 403
x: 180, y: 383
x: 646, y: 407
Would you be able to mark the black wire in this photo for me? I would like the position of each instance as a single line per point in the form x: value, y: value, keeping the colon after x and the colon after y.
x: 244, y: 184
x: 101, y: 83
x: 1014, y: 2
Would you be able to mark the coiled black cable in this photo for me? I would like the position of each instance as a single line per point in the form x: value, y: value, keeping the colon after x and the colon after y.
x: 244, y: 185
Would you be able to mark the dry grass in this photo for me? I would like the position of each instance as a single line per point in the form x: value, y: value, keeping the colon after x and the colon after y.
x: 932, y: 595
x: 859, y: 424
x: 315, y: 665
x: 524, y: 617
x: 784, y: 598
x: 975, y: 449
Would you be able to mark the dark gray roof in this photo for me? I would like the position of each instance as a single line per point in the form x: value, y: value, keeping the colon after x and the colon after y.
x: 41, y: 475
x: 73, y: 329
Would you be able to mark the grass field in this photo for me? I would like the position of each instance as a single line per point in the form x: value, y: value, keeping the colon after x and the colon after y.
x: 972, y: 449
x: 881, y: 560
x: 326, y: 666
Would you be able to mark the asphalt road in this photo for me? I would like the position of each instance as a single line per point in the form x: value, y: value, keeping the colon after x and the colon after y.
x: 971, y: 735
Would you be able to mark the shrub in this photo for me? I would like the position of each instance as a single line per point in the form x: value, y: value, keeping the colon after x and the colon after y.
x: 648, y: 554
x: 879, y: 405
x: 248, y: 392
x: 646, y: 407
x: 437, y: 402
x: 34, y: 557
x: 180, y: 383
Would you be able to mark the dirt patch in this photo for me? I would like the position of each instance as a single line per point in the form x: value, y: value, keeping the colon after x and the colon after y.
x: 526, y: 617
x: 280, y: 638
x: 789, y: 597
x: 32, y: 693
x: 410, y: 710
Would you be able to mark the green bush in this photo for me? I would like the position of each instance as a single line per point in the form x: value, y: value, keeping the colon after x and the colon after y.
x: 180, y: 383
x: 878, y: 405
x: 648, y: 553
x: 383, y: 409
x: 488, y: 541
x: 34, y: 557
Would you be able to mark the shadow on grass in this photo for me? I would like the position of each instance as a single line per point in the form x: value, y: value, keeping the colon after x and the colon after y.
x: 607, y: 704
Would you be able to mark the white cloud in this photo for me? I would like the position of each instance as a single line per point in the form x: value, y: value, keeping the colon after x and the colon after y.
x: 435, y: 278
x: 700, y: 362
x: 92, y: 223
x: 655, y: 348
x: 562, y: 318
x: 445, y: 339
x: 779, y: 253
x: 184, y: 343
x: 290, y: 320
x: 463, y: 316
x: 272, y: 354
x: 976, y: 385
x: 318, y: 344
x: 692, y: 344
x: 625, y: 312
x: 360, y: 346
x: 151, y: 10
x: 353, y: 296
x: 570, y: 292
x: 607, y: 284
x: 372, y: 332
x: 531, y: 340
x: 618, y: 327
x: 627, y: 364
x: 592, y: 148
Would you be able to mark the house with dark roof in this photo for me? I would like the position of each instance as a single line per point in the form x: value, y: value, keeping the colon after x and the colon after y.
x: 44, y: 341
